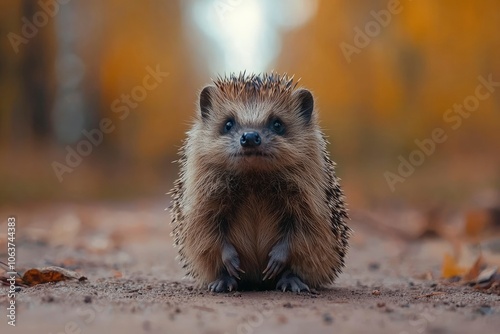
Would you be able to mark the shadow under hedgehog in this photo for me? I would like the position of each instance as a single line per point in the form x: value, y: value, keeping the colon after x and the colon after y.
x: 257, y: 204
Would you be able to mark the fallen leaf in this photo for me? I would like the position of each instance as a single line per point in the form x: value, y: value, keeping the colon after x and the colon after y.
x: 486, y: 275
x: 475, y: 270
x: 489, y: 278
x: 50, y: 275
x: 451, y: 268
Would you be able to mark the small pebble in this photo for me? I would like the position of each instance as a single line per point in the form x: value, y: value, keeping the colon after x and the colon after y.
x: 48, y: 299
x: 327, y: 318
x: 376, y: 292
x: 484, y: 310
x: 87, y: 300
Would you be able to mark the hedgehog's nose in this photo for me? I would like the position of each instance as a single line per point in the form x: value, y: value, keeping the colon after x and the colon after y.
x: 250, y: 139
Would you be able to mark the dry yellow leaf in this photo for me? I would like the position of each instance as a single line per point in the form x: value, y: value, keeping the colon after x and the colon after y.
x: 451, y: 268
x: 475, y: 270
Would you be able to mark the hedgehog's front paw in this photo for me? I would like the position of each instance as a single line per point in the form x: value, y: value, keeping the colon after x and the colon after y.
x: 223, y: 283
x: 290, y: 281
x: 278, y: 258
x: 231, y: 260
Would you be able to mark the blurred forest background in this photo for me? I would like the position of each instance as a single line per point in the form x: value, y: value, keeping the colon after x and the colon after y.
x: 63, y: 77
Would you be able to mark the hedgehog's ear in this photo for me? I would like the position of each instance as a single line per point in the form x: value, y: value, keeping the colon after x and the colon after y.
x: 306, y: 103
x: 206, y: 97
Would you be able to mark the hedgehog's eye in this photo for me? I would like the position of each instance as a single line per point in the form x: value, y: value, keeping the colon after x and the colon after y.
x: 228, y: 126
x: 278, y: 126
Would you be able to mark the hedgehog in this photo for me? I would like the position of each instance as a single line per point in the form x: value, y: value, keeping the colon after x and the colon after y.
x: 257, y: 204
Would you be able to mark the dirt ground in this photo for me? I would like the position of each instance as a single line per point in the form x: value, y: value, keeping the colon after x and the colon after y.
x: 391, y: 284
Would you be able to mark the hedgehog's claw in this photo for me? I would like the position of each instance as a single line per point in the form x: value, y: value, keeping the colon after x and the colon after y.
x: 290, y: 281
x: 278, y: 258
x: 223, y: 284
x: 231, y: 260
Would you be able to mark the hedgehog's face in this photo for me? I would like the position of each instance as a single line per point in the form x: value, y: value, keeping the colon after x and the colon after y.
x: 256, y: 133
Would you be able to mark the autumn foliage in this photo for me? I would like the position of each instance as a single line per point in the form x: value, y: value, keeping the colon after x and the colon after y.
x: 394, y: 91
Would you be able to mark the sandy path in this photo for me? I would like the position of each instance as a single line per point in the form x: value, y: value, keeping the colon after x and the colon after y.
x: 135, y: 285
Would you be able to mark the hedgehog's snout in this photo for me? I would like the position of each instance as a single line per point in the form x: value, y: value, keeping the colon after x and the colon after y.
x: 250, y: 139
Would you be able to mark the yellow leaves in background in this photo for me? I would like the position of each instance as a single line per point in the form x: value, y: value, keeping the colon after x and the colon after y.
x: 451, y: 268
x: 480, y: 275
x: 477, y: 222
